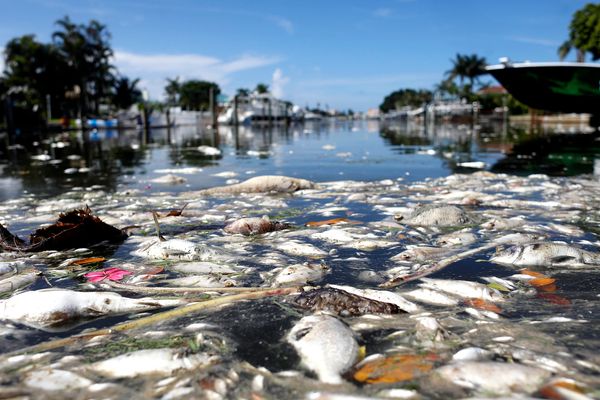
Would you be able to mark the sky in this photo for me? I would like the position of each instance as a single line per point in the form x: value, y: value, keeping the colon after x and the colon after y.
x: 340, y: 54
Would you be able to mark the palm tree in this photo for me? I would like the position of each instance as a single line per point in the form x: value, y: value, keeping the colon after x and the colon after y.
x: 126, y: 93
x: 584, y: 34
x: 173, y: 91
x: 262, y: 88
x: 467, y: 67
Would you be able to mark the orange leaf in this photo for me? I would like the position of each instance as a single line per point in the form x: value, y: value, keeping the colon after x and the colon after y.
x: 327, y: 222
x: 532, y: 273
x: 547, y: 288
x: 394, y: 368
x: 552, y: 391
x: 482, y: 305
x: 554, y: 299
x: 537, y: 282
x: 91, y: 260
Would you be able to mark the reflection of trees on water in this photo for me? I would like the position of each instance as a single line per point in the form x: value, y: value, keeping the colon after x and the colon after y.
x: 552, y: 154
x: 90, y: 158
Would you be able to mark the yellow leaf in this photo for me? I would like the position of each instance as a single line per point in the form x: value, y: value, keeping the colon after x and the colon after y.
x: 91, y: 260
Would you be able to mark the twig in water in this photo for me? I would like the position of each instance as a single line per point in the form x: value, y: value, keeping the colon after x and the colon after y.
x: 399, y: 280
x: 162, y: 289
x: 155, y: 216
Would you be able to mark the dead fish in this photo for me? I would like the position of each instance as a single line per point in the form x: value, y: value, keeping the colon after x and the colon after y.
x: 326, y: 346
x: 430, y: 296
x: 459, y: 238
x: 21, y: 280
x: 343, y: 303
x: 437, y: 215
x: 507, y: 377
x: 262, y: 184
x: 50, y: 309
x: 254, y: 226
x: 55, y: 379
x: 296, y: 248
x: 174, y: 249
x: 546, y: 254
x: 169, y: 179
x: 153, y: 361
x: 385, y: 296
x: 300, y: 274
x: 201, y: 281
x: 203, y: 267
x: 421, y: 253
x: 465, y: 289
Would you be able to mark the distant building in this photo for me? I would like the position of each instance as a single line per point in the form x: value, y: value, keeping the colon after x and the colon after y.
x: 373, y: 113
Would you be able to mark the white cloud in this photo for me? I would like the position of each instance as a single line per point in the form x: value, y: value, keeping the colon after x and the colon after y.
x: 281, y: 22
x: 154, y: 69
x: 382, y: 12
x: 278, y: 82
x: 538, y: 41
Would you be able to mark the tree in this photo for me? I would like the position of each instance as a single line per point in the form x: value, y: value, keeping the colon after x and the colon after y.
x: 584, y: 34
x: 126, y: 93
x: 242, y: 92
x: 467, y: 67
x: 261, y: 88
x: 173, y: 91
x: 405, y: 97
x: 195, y: 95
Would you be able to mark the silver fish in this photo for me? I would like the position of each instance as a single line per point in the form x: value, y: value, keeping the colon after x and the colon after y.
x: 546, y: 254
x: 437, y: 215
x: 325, y: 345
x: 262, y: 184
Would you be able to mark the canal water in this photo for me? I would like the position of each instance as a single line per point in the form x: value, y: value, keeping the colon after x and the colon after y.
x: 322, y: 151
x: 517, y: 185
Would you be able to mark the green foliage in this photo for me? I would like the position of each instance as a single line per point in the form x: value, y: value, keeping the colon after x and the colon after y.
x: 126, y: 93
x: 74, y: 71
x: 173, y: 90
x: 584, y: 33
x: 405, y: 97
x: 262, y: 88
x: 195, y: 95
x: 469, y: 67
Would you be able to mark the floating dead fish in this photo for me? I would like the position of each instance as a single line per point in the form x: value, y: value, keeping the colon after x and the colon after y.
x: 51, y: 309
x: 431, y: 296
x: 55, y: 379
x: 343, y: 303
x: 18, y: 281
x: 546, y: 254
x: 169, y: 179
x: 459, y: 238
x: 174, y: 249
x: 437, y: 215
x: 325, y: 345
x: 75, y: 229
x: 385, y: 296
x: 201, y: 281
x: 254, y: 226
x: 296, y: 248
x: 494, y: 377
x: 262, y: 184
x: 300, y: 274
x: 209, y: 151
x: 203, y: 267
x: 465, y: 289
x: 152, y: 362
x: 421, y: 253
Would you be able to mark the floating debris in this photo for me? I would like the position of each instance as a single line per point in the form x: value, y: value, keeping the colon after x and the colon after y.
x: 254, y: 226
x: 343, y: 303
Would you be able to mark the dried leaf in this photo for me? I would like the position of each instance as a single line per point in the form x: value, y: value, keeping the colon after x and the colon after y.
x: 176, y: 213
x: 554, y: 299
x: 532, y: 273
x: 538, y: 282
x: 90, y: 260
x: 327, y: 222
x: 547, y: 288
x: 394, y: 368
x: 555, y: 390
x: 482, y: 305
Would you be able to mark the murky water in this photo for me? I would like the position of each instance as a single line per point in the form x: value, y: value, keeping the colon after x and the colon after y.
x: 371, y: 177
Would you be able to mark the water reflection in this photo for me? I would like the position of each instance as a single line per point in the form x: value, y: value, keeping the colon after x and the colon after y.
x: 323, y: 150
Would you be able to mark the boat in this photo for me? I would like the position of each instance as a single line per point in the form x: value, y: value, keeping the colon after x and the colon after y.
x: 569, y: 87
x: 255, y: 108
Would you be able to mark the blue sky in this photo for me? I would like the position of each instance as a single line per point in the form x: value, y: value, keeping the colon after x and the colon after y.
x: 342, y: 53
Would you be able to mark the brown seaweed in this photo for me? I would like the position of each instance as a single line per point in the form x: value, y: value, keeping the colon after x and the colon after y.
x: 343, y: 303
x: 77, y: 228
